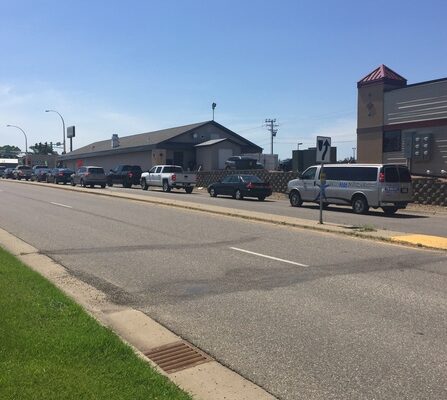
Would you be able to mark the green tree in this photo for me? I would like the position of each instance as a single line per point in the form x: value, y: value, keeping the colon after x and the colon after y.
x: 43, y: 148
x: 8, y: 151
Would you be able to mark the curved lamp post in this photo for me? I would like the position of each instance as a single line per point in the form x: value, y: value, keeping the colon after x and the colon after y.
x: 26, y: 141
x: 63, y: 126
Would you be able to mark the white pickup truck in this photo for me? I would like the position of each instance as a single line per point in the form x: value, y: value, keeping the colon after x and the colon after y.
x: 168, y: 177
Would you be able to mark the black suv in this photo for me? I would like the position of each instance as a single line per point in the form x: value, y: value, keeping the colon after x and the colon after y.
x: 126, y: 175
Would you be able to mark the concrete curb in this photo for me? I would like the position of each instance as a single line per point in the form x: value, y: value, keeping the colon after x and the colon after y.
x: 363, y: 232
x: 209, y: 381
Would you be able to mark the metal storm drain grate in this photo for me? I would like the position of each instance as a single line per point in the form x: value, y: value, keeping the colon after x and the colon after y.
x: 176, y: 356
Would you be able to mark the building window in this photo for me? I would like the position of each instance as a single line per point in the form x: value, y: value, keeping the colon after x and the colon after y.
x: 392, y: 141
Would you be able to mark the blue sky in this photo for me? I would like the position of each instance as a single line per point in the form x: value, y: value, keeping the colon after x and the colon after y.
x: 136, y: 66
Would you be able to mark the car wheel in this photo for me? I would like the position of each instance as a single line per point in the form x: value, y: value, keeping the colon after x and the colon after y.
x: 92, y: 186
x: 143, y: 184
x: 238, y: 195
x: 360, y: 205
x: 261, y: 198
x: 295, y: 199
x: 188, y: 190
x: 213, y: 192
x: 389, y: 210
x: 103, y: 186
x: 110, y: 184
x: 166, y: 187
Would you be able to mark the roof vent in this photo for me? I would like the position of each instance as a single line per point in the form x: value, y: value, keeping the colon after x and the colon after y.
x: 115, y: 141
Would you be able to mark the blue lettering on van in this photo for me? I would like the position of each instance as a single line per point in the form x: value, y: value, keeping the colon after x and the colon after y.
x: 343, y: 184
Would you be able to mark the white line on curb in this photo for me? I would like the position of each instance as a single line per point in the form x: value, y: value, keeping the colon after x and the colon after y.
x: 270, y: 257
x: 60, y: 205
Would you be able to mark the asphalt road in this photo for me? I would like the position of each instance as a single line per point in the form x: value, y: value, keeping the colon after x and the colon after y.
x: 402, y: 221
x: 324, y: 317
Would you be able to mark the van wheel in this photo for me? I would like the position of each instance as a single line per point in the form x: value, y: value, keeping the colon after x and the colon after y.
x: 389, y: 210
x: 188, y: 190
x: 295, y: 199
x: 360, y: 205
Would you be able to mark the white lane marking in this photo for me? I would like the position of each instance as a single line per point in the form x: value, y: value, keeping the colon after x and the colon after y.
x: 270, y: 257
x: 60, y: 205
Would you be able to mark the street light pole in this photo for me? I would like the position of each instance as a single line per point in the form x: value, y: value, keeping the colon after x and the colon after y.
x: 63, y: 127
x: 26, y: 140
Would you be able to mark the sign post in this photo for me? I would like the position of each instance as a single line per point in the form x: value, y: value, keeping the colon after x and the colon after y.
x: 323, y: 155
x: 71, y: 133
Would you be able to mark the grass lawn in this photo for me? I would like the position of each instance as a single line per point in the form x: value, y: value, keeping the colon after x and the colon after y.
x: 50, y: 348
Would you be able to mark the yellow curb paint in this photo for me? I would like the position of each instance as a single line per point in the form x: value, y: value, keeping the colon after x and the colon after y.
x: 437, y: 242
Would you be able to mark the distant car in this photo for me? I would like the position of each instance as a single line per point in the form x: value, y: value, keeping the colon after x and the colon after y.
x: 89, y: 176
x: 39, y: 173
x: 22, y: 172
x: 240, y: 186
x: 57, y: 175
x: 285, y: 165
x: 242, y: 163
x: 2, y: 170
x: 126, y: 175
x: 8, y: 173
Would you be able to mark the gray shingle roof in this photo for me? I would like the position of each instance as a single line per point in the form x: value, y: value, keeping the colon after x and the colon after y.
x: 141, y: 139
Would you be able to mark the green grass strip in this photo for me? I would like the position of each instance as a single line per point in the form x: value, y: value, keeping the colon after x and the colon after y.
x: 50, y: 348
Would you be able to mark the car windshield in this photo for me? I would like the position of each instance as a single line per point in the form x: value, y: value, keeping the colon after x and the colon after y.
x: 251, y: 178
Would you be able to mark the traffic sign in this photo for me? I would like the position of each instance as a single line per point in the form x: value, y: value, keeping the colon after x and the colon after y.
x: 323, y: 149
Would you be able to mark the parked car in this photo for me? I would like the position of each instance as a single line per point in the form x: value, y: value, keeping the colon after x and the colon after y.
x: 22, y: 172
x: 240, y: 186
x: 242, y: 163
x: 357, y: 185
x: 2, y: 170
x: 168, y: 177
x: 8, y: 173
x: 126, y: 175
x: 89, y: 176
x: 57, y: 175
x: 39, y: 173
x: 285, y: 165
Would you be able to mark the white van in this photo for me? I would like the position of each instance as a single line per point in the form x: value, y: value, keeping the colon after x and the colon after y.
x: 357, y: 185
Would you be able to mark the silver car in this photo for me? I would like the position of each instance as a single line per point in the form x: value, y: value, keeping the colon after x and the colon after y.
x: 360, y: 186
x: 89, y: 176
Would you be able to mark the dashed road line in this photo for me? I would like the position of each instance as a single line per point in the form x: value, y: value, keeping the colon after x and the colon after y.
x: 269, y: 257
x: 60, y: 205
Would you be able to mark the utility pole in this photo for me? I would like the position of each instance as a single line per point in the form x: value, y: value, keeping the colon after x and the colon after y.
x: 272, y: 127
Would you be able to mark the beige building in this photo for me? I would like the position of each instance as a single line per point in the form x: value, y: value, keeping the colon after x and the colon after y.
x: 205, y: 144
x: 400, y: 123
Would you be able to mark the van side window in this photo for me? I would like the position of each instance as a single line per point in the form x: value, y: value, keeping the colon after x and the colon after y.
x: 309, y: 174
x: 391, y: 174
